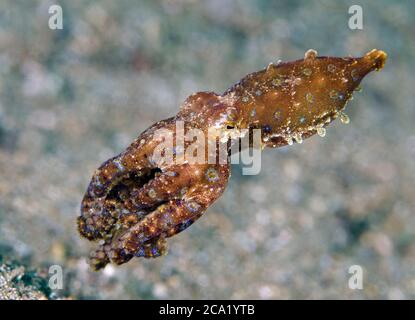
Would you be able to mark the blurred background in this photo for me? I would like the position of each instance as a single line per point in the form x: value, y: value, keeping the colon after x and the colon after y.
x: 71, y: 98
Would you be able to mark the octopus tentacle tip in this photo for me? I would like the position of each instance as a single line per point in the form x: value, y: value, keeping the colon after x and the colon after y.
x: 134, y: 203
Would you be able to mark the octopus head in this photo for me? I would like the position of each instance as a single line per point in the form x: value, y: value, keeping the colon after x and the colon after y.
x: 321, y: 88
x: 326, y: 94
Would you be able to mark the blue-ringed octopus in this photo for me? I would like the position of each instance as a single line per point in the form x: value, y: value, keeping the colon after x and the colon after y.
x: 133, y: 203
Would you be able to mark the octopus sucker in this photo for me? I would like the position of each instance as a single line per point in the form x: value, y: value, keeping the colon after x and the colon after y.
x: 135, y: 201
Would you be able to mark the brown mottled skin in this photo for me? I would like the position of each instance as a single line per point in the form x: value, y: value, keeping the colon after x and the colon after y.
x: 133, y: 204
